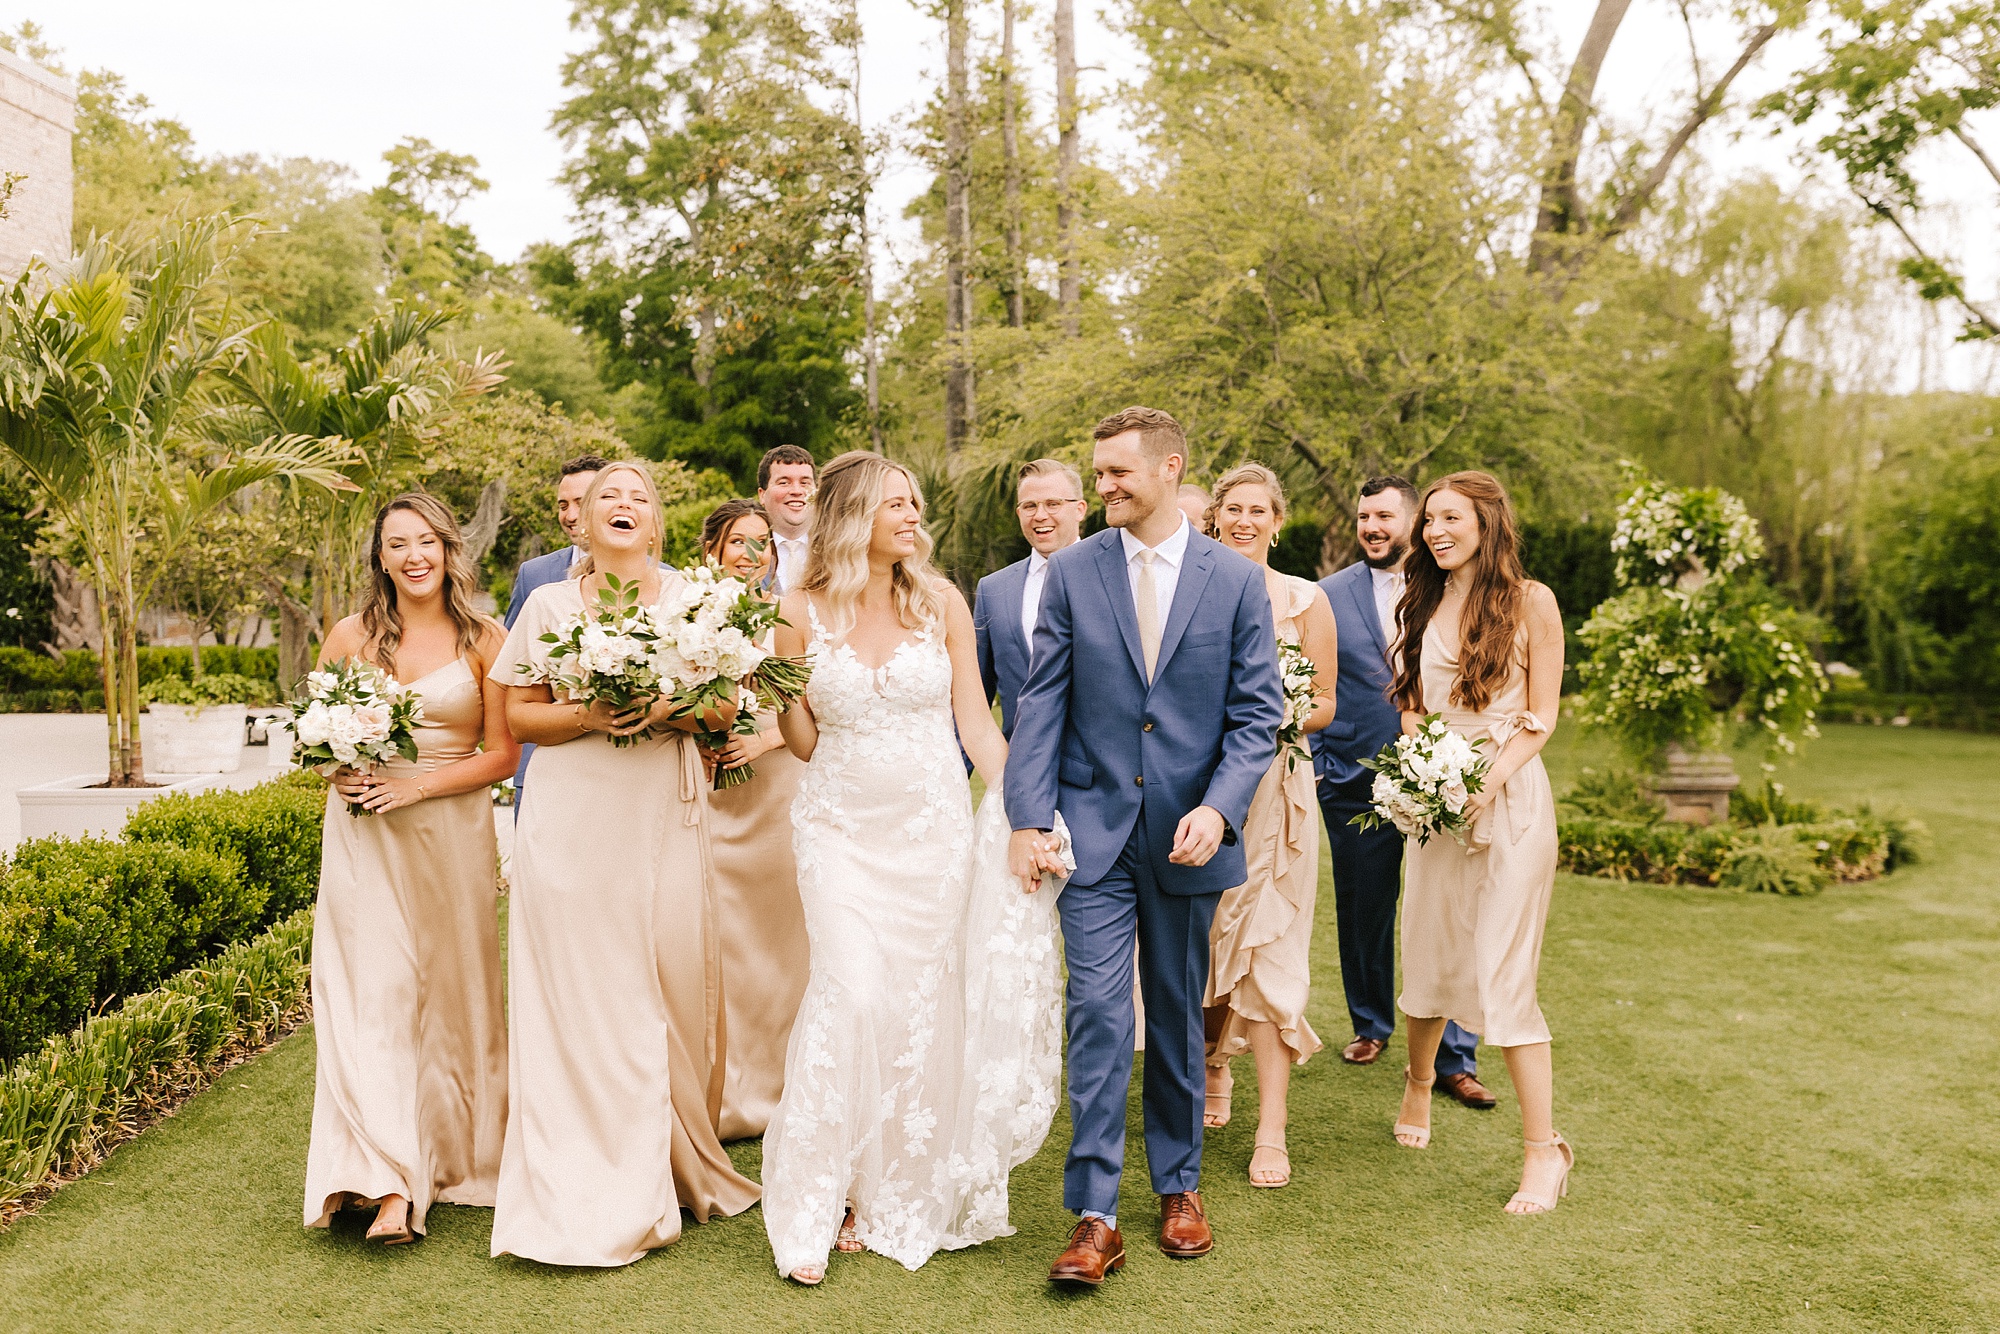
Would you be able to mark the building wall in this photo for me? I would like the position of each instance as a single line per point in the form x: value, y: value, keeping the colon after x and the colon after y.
x: 37, y: 121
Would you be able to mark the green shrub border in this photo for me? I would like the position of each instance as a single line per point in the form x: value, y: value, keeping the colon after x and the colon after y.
x: 65, y: 1105
x: 1848, y: 848
x: 34, y: 682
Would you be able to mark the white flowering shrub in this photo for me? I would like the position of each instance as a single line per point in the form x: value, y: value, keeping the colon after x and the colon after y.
x: 1695, y: 645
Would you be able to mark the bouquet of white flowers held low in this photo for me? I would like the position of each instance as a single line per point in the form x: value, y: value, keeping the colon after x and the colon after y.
x: 1299, y: 672
x: 608, y: 652
x: 352, y: 715
x: 710, y: 656
x: 1423, y: 780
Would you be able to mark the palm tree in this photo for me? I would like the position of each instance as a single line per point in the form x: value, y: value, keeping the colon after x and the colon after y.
x: 374, y: 401
x: 107, y: 365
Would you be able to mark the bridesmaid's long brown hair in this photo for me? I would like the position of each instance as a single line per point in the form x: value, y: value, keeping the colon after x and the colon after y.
x: 1492, y: 615
x: 381, y: 621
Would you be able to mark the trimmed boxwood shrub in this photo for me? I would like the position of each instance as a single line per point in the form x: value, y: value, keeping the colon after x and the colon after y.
x: 34, y: 682
x: 273, y: 829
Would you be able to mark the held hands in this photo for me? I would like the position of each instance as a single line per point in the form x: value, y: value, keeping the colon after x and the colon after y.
x: 1197, y: 837
x: 1032, y: 854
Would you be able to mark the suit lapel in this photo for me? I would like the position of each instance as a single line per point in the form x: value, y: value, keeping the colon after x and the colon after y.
x: 1013, y: 591
x: 1361, y: 588
x: 1111, y: 568
x: 1196, y: 565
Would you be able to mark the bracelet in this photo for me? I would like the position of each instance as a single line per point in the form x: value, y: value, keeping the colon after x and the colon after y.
x: 421, y: 794
x: 581, y: 728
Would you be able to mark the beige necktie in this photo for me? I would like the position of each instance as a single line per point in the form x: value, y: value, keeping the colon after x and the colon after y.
x: 1147, y: 599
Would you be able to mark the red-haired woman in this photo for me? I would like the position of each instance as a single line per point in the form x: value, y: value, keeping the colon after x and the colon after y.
x: 1482, y: 645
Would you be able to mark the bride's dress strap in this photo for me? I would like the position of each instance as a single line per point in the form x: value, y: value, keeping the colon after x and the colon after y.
x: 812, y: 617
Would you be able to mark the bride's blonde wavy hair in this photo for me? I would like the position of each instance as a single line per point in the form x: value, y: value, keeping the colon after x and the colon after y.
x: 843, y: 523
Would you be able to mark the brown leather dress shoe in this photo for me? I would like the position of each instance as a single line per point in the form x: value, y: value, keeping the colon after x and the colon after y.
x: 1468, y: 1090
x: 1184, y: 1233
x: 1095, y: 1250
x: 1362, y: 1051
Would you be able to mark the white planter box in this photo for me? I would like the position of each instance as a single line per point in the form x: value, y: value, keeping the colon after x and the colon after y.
x: 193, y: 739
x: 73, y: 808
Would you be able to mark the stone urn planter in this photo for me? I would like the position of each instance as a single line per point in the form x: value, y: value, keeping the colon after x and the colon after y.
x: 1694, y: 788
x: 193, y: 738
x: 73, y: 808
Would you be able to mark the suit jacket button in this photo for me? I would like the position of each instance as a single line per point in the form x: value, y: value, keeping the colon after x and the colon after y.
x: 1140, y: 781
x: 1147, y: 728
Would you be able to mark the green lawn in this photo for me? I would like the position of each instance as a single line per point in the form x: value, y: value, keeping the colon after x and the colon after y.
x: 1782, y: 1109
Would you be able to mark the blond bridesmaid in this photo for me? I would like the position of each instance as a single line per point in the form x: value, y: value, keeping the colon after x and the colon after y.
x: 614, y: 968
x: 1260, y: 944
x: 762, y: 922
x: 1482, y: 645
x: 410, y: 1084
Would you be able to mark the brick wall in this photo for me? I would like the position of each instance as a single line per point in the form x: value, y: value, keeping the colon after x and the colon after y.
x: 37, y: 120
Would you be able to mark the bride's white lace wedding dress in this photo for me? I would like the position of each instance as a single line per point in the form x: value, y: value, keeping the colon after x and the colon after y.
x: 927, y: 1053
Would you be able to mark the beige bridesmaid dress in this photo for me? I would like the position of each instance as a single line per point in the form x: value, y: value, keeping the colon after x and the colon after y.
x: 615, y: 1053
x: 763, y: 927
x: 1473, y: 913
x: 410, y: 1086
x: 1260, y: 944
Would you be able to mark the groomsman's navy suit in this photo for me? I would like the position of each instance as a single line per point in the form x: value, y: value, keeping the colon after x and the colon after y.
x: 1367, y: 867
x: 1124, y: 760
x: 1003, y: 652
x: 550, y: 569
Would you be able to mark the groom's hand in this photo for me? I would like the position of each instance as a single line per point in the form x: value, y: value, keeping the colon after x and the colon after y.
x: 1026, y: 858
x: 1197, y: 837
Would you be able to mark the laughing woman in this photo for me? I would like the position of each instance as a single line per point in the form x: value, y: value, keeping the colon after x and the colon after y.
x: 410, y: 1091
x: 762, y: 923
x: 614, y: 967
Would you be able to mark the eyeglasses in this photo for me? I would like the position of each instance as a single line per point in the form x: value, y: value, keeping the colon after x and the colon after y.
x: 1053, y: 507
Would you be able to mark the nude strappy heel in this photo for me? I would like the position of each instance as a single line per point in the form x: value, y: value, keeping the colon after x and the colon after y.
x: 1546, y: 1204
x: 1278, y: 1148
x: 1421, y: 1134
x: 1215, y: 1106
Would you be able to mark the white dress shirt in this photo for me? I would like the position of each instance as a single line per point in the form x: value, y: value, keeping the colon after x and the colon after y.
x: 1031, y: 598
x: 791, y: 561
x: 1167, y: 558
x: 1388, y: 592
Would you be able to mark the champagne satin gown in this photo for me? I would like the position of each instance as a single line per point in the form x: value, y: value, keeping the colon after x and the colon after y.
x: 1473, y: 914
x: 614, y: 984
x: 763, y: 925
x: 410, y: 1089
x: 1260, y: 944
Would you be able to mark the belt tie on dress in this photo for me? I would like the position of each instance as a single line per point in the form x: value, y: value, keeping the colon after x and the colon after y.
x: 691, y: 780
x: 1516, y: 813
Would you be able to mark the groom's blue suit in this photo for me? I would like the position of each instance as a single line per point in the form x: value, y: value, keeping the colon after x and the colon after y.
x: 1124, y: 760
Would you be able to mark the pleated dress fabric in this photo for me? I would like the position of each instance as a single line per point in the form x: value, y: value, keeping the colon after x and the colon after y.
x: 1473, y: 913
x: 410, y: 1083
x: 614, y: 974
x: 763, y: 925
x: 1260, y: 944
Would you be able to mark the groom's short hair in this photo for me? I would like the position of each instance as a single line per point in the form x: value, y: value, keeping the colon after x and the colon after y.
x: 1159, y: 434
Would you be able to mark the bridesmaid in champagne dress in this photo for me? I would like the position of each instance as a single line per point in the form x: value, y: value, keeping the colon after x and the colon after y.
x: 615, y: 1056
x: 1260, y: 943
x: 410, y: 1089
x: 762, y: 922
x: 1482, y: 645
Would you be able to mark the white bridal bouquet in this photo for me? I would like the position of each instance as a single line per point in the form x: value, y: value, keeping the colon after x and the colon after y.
x: 1298, y: 672
x: 352, y: 715
x: 608, y: 652
x: 1423, y: 780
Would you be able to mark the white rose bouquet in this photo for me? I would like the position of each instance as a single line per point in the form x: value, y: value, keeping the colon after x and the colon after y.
x: 1423, y: 781
x: 711, y: 655
x: 353, y: 715
x: 1298, y: 672
x: 609, y: 652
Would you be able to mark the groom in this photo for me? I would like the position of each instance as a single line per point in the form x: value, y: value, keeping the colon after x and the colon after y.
x: 1148, y: 719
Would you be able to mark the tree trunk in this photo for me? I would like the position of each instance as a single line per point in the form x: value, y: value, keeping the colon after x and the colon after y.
x: 958, y: 235
x: 75, y: 622
x: 1069, y: 286
x: 485, y: 525
x: 1010, y: 147
x: 1560, y: 213
x: 870, y: 356
x: 704, y: 363
x: 295, y: 621
x: 195, y: 631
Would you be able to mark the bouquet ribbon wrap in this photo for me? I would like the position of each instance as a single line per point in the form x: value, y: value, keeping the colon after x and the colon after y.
x: 1506, y: 803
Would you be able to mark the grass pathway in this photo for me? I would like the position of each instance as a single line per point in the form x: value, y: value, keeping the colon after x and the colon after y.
x: 1783, y: 1112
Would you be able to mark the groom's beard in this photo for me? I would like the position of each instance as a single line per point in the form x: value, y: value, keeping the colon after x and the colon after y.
x: 1388, y: 562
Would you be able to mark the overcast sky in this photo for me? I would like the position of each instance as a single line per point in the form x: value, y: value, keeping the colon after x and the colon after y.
x: 343, y: 81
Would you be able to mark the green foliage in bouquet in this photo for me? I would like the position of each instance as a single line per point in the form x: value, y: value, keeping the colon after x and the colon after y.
x: 1695, y: 644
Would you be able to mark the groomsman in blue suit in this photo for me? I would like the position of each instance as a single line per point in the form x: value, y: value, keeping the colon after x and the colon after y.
x: 1149, y: 717
x: 571, y: 487
x: 1049, y: 502
x: 1368, y: 867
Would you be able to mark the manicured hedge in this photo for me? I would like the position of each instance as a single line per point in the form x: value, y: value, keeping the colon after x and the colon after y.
x: 1848, y: 848
x: 34, y: 682
x: 61, y: 1103
x: 85, y: 922
x: 1960, y: 715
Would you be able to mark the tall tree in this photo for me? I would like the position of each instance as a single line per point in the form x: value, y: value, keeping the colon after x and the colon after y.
x: 1069, y: 281
x: 1010, y: 148
x: 958, y: 386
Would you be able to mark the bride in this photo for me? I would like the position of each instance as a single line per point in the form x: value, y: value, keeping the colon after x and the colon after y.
x: 924, y: 1061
